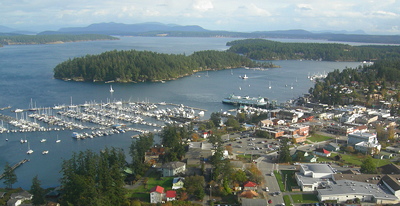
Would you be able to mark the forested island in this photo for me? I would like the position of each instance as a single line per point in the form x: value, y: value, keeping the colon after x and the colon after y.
x: 140, y: 66
x: 261, y: 49
x: 51, y: 39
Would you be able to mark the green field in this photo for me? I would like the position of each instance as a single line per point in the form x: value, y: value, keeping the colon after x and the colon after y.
x: 290, y: 181
x: 318, y: 138
x: 305, y: 198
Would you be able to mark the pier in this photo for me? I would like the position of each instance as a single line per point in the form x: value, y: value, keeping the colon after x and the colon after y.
x: 15, y: 167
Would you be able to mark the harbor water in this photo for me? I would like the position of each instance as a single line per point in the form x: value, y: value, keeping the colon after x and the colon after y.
x: 27, y: 79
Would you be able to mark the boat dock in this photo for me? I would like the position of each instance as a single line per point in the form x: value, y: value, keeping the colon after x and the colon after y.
x: 15, y: 167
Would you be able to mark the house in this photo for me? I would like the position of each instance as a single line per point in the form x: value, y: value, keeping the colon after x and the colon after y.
x: 23, y: 195
x: 288, y: 116
x: 173, y: 169
x: 156, y: 194
x: 170, y: 195
x: 178, y: 183
x: 249, y: 185
x: 199, y: 152
x: 322, y: 152
x: 304, y: 156
x: 266, y: 123
x: 333, y: 147
x: 368, y: 147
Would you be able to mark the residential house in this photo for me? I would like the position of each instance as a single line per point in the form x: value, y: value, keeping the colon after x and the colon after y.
x: 173, y: 168
x: 199, y: 152
x: 368, y: 147
x: 14, y: 202
x: 304, y: 156
x: 249, y: 185
x: 157, y: 194
x: 170, y: 195
x: 322, y: 152
x: 178, y: 183
x: 333, y: 147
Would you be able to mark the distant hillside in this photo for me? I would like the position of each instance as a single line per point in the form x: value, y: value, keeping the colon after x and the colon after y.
x: 126, y: 29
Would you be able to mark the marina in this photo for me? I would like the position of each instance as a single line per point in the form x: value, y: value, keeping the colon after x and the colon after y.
x: 87, y: 107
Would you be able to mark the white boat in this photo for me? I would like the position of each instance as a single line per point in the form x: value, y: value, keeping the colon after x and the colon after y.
x: 45, y: 152
x: 43, y: 140
x: 244, y: 77
x: 29, y: 150
x: 18, y: 110
x: 269, y: 87
x: 111, y: 89
x: 58, y: 141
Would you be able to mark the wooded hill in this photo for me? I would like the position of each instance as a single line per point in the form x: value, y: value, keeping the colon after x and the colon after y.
x: 138, y: 66
x: 48, y: 39
x: 365, y: 81
x: 260, y: 49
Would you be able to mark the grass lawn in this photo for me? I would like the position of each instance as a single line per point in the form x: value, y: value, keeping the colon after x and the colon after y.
x: 290, y: 180
x: 305, y: 198
x: 353, y: 159
x: 279, y: 180
x: 318, y: 138
x: 286, y: 199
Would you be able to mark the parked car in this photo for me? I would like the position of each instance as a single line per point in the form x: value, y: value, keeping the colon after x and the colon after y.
x: 269, y: 201
x: 267, y: 189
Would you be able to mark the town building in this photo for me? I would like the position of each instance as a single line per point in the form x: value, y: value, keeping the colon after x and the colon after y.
x: 173, y: 169
x: 157, y: 194
x: 312, y: 176
x: 178, y: 183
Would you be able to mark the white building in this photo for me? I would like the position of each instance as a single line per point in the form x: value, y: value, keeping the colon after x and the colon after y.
x: 358, y: 136
x: 349, y: 190
x: 173, y: 169
x: 312, y: 176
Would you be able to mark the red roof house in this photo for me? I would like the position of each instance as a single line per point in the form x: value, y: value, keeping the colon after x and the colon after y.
x: 249, y: 185
x: 157, y: 194
x: 171, y: 195
x: 322, y: 152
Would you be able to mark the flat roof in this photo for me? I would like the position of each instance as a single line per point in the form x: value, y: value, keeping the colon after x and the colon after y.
x: 347, y: 187
x: 318, y: 168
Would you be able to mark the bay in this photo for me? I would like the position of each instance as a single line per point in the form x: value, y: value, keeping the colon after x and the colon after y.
x: 27, y: 74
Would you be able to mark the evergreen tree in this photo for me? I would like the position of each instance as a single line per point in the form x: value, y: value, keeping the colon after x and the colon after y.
x: 37, y: 191
x: 9, y: 176
x: 284, y: 153
x: 368, y: 166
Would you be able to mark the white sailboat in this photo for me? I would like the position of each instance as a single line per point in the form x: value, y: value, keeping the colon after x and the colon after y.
x: 111, y: 89
x: 269, y: 87
x: 45, y: 152
x: 43, y: 140
x: 29, y: 150
x: 58, y: 141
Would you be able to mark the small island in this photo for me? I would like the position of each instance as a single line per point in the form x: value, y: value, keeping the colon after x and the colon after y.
x: 51, y: 38
x: 141, y: 66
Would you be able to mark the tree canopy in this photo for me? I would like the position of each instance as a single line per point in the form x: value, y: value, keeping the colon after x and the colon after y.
x: 138, y: 66
x: 261, y: 49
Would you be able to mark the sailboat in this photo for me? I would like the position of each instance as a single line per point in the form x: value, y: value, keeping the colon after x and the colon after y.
x: 207, y: 74
x: 291, y: 87
x: 269, y: 87
x: 231, y: 72
x: 58, y: 141
x: 29, y: 150
x: 111, y: 89
x: 45, y: 152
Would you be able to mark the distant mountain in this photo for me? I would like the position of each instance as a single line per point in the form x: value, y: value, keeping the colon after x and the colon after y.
x: 127, y: 29
x: 4, y: 29
x: 340, y: 32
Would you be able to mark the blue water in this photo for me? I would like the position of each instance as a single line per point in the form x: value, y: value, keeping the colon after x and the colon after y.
x: 26, y: 73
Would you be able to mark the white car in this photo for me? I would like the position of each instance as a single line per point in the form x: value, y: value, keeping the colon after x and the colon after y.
x: 266, y: 189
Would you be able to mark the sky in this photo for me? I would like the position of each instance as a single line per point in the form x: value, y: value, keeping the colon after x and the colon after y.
x: 371, y: 16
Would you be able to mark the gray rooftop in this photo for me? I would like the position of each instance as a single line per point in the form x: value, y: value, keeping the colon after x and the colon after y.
x: 318, y: 168
x: 346, y: 187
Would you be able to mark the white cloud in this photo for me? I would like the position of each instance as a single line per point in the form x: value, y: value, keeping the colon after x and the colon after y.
x: 203, y: 5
